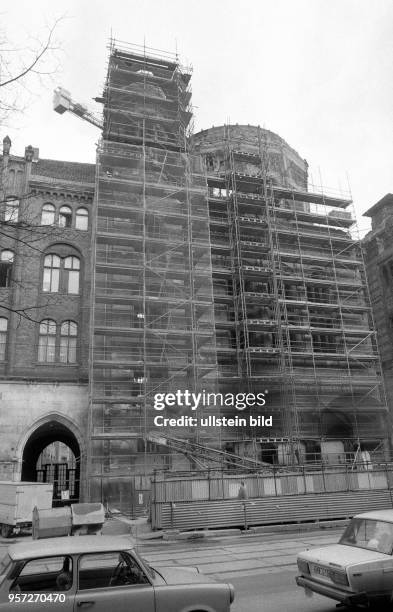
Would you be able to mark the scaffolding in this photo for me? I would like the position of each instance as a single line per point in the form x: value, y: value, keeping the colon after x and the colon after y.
x: 292, y: 310
x: 216, y: 268
x: 152, y: 323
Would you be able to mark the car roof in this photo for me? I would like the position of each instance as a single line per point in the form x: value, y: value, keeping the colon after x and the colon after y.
x: 378, y: 515
x: 69, y: 545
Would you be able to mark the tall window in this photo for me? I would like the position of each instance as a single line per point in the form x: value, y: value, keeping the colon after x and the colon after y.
x: 68, y: 337
x: 51, y: 276
x: 11, y: 210
x: 3, y: 337
x: 48, y: 214
x: 72, y: 268
x: 47, y: 341
x: 65, y: 216
x: 61, y: 274
x: 82, y: 219
x: 6, y: 261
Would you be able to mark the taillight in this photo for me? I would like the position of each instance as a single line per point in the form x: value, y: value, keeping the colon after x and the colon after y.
x: 231, y: 593
x: 303, y: 566
x: 339, y: 577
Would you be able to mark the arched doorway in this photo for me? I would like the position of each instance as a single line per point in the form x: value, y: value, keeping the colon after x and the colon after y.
x: 61, y: 467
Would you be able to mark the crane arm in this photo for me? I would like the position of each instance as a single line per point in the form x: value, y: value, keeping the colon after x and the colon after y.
x: 63, y: 102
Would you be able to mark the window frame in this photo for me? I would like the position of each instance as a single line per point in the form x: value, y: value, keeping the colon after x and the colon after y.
x: 6, y: 266
x: 43, y: 559
x: 54, y: 279
x: 11, y: 203
x: 3, y: 335
x: 52, y: 210
x: 70, y: 340
x: 71, y: 273
x: 68, y: 217
x: 48, y: 335
x: 67, y: 280
x: 82, y: 216
x: 56, y: 346
x: 127, y: 557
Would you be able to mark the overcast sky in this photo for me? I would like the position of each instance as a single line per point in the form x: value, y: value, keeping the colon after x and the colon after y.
x: 316, y: 72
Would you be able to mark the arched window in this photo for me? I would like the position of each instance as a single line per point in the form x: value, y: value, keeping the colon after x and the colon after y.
x: 72, y: 268
x: 68, y: 337
x: 3, y: 337
x: 51, y: 276
x: 65, y: 216
x: 11, y: 210
x: 6, y: 261
x: 48, y: 214
x: 82, y: 219
x: 47, y: 341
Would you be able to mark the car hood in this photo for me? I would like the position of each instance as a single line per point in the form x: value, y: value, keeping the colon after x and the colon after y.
x: 182, y: 575
x: 340, y: 555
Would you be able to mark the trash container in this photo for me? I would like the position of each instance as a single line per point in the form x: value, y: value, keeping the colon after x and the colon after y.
x: 51, y: 523
x: 87, y: 518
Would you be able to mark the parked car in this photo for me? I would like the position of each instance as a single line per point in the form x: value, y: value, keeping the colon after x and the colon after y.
x: 357, y: 571
x: 102, y: 573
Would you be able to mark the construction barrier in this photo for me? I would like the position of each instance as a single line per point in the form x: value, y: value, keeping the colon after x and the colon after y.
x: 267, y: 510
x: 186, y: 501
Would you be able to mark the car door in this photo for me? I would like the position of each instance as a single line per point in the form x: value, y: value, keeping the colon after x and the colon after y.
x: 112, y: 581
x: 39, y: 583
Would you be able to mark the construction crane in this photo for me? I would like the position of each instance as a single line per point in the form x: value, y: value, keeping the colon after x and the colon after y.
x: 63, y: 102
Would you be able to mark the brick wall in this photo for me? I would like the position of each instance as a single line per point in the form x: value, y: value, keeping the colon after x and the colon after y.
x: 31, y: 241
x: 378, y: 252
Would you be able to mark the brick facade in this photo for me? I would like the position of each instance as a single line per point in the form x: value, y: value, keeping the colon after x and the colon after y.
x: 34, y: 391
x: 378, y: 249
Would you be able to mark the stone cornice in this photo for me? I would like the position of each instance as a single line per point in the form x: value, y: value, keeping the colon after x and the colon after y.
x: 52, y: 187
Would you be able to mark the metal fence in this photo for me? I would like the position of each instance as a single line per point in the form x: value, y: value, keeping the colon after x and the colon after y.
x: 278, y: 496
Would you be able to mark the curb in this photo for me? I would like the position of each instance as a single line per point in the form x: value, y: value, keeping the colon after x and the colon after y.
x: 175, y: 534
x: 199, y: 535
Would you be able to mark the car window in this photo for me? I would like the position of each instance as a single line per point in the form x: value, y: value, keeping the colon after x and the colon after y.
x: 45, y: 574
x: 369, y: 534
x: 103, y: 570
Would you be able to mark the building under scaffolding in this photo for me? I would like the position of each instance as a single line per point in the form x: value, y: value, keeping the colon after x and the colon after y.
x: 292, y: 311
x: 218, y: 270
x: 153, y: 316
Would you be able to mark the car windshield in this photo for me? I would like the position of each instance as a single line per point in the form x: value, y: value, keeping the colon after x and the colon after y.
x: 5, y: 561
x: 370, y: 534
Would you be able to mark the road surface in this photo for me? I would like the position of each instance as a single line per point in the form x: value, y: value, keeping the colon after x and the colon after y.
x: 262, y: 568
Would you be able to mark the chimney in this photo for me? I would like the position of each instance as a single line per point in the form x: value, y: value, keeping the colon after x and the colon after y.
x: 6, y: 145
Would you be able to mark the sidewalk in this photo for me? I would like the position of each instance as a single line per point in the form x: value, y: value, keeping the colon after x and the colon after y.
x: 140, y: 529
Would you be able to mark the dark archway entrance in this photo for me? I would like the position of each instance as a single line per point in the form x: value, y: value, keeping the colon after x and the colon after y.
x: 64, y: 475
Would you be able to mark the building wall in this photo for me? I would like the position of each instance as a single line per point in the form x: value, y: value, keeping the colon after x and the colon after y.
x: 26, y: 405
x: 378, y: 251
x: 33, y: 392
x: 292, y: 312
x: 283, y: 164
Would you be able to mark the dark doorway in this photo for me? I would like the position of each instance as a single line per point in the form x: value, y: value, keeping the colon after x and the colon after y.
x: 52, y: 454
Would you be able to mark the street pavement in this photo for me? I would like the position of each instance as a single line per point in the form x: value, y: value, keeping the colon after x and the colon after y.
x: 262, y: 568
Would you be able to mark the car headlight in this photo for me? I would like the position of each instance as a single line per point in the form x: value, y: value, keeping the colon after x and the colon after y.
x: 303, y: 566
x: 339, y: 577
x: 231, y: 593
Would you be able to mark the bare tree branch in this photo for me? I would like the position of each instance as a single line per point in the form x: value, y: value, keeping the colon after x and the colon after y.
x: 14, y: 73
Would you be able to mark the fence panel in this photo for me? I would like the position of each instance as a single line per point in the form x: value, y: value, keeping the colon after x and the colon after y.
x: 268, y: 510
x: 277, y: 482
